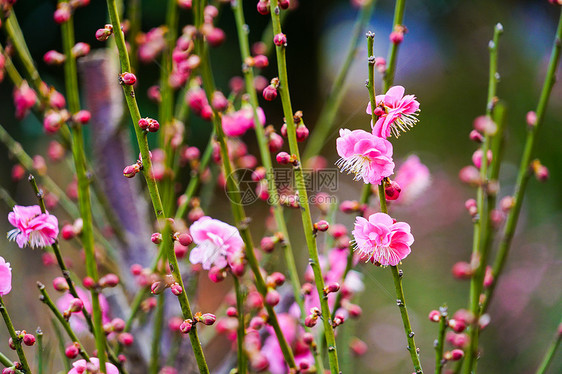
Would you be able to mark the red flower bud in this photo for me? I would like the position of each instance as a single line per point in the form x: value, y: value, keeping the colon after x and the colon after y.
x: 392, y: 190
x: 272, y: 297
x: 88, y: 282
x: 280, y: 40
x: 185, y: 239
x: 156, y: 238
x: 186, y: 325
x: 269, y: 93
x: 127, y: 79
x: 72, y: 351
x: 176, y: 289
x: 109, y: 280
x: 284, y: 4
x: 75, y: 306
x: 321, y: 225
x: 263, y: 7
x: 434, y: 316
x: 126, y: 339
x: 82, y: 117
x: 60, y: 284
x: 29, y: 340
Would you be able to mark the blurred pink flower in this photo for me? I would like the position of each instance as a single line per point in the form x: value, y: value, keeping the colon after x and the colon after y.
x: 399, y: 114
x: 81, y: 366
x: 5, y: 277
x: 238, y: 122
x: 381, y: 239
x: 78, y: 321
x: 32, y: 227
x: 24, y: 99
x: 367, y: 156
x: 215, y: 241
x: 413, y: 177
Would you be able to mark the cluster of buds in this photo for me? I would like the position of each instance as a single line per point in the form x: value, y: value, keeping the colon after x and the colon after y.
x: 214, y: 35
x: 207, y: 319
x: 301, y: 130
x: 149, y: 124
x: 167, y: 281
x: 331, y: 288
x: 259, y: 61
x: 24, y: 337
x: 24, y: 99
x: 115, y: 325
x: 151, y: 44
x: 107, y: 281
x: 312, y: 319
x: 54, y: 120
x: 103, y: 34
x: 397, y: 35
x: 270, y: 92
x: 197, y: 101
x: 284, y: 158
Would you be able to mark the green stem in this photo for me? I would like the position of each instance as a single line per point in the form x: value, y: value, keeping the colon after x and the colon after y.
x: 303, y: 194
x: 40, y: 363
x: 233, y: 190
x: 241, y: 332
x: 440, y: 340
x: 151, y: 184
x: 15, y: 338
x: 46, y: 299
x: 330, y: 108
x: 13, y: 74
x: 134, y: 14
x: 549, y: 355
x: 62, y: 348
x: 524, y: 172
x: 78, y: 153
x: 390, y: 72
x: 157, y: 335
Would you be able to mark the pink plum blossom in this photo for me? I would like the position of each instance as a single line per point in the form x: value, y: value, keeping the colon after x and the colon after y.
x: 5, y: 277
x: 32, y: 227
x: 77, y: 320
x: 367, y: 156
x: 399, y: 112
x: 81, y: 366
x: 413, y: 177
x: 236, y: 123
x: 216, y: 241
x: 381, y: 239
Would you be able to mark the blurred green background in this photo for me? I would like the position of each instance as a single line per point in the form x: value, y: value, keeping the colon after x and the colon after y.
x: 444, y: 62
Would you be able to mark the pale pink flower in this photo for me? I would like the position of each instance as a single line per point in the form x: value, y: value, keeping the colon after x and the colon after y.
x: 381, y: 239
x: 399, y: 114
x: 413, y: 177
x: 367, y: 156
x: 77, y: 320
x: 238, y: 122
x: 81, y: 366
x: 5, y: 277
x: 32, y: 227
x: 215, y: 241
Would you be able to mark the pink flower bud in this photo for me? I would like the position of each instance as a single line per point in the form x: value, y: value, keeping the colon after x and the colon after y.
x: 219, y: 102
x: 470, y: 175
x: 354, y: 310
x: 541, y: 171
x: 396, y: 37
x: 284, y: 4
x: 68, y: 232
x: 307, y: 288
x: 62, y: 14
x: 215, y: 36
x: 231, y: 312
x: 507, y: 203
x: 457, y: 326
x: 485, y: 125
x: 176, y: 289
x: 475, y: 136
x: 302, y: 133
x: 321, y: 225
x: 175, y: 323
x: 217, y: 274
x: 29, y: 340
x: 263, y: 7
x: 477, y: 158
x: 257, y: 323
x: 144, y: 123
x: 156, y: 238
x: 531, y: 118
x: 52, y: 121
x: 269, y: 93
x: 311, y: 320
x: 207, y: 319
x: 267, y: 244
x: 153, y: 125
x: 333, y: 287
x: 358, y: 347
x: 17, y: 172
x: 185, y: 326
x: 126, y: 339
x: 80, y: 49
x: 454, y: 355
x: 103, y: 34
x: 53, y: 58
x: 56, y: 151
x: 118, y: 325
x: 350, y: 206
x: 109, y: 280
x: 82, y: 117
x: 72, y: 351
x: 131, y: 170
x: 185, y: 239
x: 488, y: 277
x: 259, y: 362
x: 275, y: 142
x: 276, y: 279
x: 392, y: 190
x: 60, y: 284
x: 272, y: 297
x: 127, y: 79
x: 157, y: 287
x: 434, y: 316
x: 75, y: 306
x: 88, y: 282
x: 283, y: 158
x: 153, y: 94
x: 462, y: 270
x: 280, y: 40
x: 136, y: 269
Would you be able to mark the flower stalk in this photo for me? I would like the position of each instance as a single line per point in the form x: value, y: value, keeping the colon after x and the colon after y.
x: 303, y: 195
x: 15, y: 338
x: 440, y: 340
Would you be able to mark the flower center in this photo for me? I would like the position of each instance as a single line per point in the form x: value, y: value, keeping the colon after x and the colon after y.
x: 355, y: 164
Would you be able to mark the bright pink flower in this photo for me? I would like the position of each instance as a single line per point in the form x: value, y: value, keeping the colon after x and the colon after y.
x: 80, y: 366
x: 400, y: 112
x: 238, y: 122
x: 32, y: 227
x: 78, y: 321
x: 413, y: 177
x: 5, y: 277
x: 381, y: 239
x: 215, y: 241
x: 367, y: 156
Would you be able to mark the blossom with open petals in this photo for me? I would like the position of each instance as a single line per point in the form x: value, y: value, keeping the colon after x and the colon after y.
x: 81, y: 366
x: 5, y: 277
x: 399, y: 112
x: 238, y: 122
x: 380, y: 239
x: 367, y: 156
x: 215, y: 241
x: 32, y: 227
